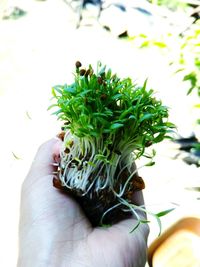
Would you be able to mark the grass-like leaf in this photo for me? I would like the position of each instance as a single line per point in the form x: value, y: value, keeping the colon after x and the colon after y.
x: 163, y: 213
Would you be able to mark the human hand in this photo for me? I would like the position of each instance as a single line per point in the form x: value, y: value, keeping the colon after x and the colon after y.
x: 54, y: 231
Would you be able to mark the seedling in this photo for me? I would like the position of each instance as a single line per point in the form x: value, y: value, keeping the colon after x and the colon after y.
x: 108, y: 123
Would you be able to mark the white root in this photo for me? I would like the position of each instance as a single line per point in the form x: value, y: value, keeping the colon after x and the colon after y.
x: 79, y: 177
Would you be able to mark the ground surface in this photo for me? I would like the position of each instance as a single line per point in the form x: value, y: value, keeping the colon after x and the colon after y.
x: 38, y: 51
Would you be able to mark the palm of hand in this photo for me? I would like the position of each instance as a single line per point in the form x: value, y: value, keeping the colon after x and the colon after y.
x: 55, y: 232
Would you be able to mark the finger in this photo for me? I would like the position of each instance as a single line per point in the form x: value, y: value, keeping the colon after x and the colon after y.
x: 56, y: 151
x: 141, y: 233
x: 42, y: 163
x: 138, y: 198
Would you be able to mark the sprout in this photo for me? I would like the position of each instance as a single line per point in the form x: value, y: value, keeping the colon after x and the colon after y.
x: 108, y: 124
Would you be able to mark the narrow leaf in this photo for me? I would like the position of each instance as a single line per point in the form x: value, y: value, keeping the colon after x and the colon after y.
x: 116, y: 126
x: 163, y: 213
x: 135, y: 227
x: 151, y: 163
x: 146, y: 117
x: 70, y: 89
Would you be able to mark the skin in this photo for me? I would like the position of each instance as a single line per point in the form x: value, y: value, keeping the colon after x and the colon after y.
x: 54, y: 232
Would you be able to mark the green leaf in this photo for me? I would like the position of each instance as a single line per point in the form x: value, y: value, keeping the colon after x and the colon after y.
x: 147, y: 116
x: 159, y: 224
x: 149, y: 164
x: 116, y: 126
x: 132, y: 117
x: 116, y: 97
x: 142, y: 35
x: 135, y: 227
x: 163, y: 213
x: 145, y: 44
x: 53, y: 92
x: 160, y: 44
x: 91, y: 164
x: 144, y: 221
x: 170, y: 125
x: 94, y: 134
x: 109, y: 74
x: 108, y: 112
x: 102, y: 158
x: 57, y: 112
x: 159, y: 138
x: 103, y: 121
x: 102, y: 70
x: 58, y: 89
x: 99, y: 114
x: 126, y: 112
x: 85, y: 92
x: 69, y: 89
x: 52, y: 106
x: 179, y: 70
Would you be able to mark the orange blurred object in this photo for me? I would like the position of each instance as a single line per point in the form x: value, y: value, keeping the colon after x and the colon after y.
x: 179, y: 246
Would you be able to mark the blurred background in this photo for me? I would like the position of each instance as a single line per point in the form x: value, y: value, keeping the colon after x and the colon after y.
x: 40, y: 40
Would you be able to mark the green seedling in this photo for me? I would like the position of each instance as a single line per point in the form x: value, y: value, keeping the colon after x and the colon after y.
x: 108, y: 123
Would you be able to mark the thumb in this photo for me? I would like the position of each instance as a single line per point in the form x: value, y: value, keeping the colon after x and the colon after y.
x: 42, y: 164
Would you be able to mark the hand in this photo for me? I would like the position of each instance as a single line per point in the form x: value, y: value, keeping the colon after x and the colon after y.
x: 54, y: 231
